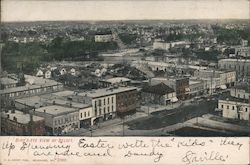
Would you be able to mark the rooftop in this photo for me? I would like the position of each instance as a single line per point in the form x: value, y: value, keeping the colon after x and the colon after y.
x: 243, y: 86
x: 21, y: 117
x: 6, y: 81
x: 64, y: 93
x: 34, y: 101
x: 236, y: 60
x: 234, y: 99
x: 56, y: 110
x: 117, y: 80
x: 160, y: 89
x: 106, y: 91
x: 191, y: 82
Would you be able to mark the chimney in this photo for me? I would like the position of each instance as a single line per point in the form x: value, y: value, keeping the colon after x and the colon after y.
x: 15, y: 119
x: 31, y: 118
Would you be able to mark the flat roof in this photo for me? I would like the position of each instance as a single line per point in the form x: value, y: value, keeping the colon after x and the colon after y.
x: 106, y: 91
x: 191, y: 82
x: 65, y: 102
x: 234, y: 99
x: 48, y: 99
x: 6, y: 81
x: 21, y: 117
x: 235, y: 60
x: 243, y: 86
x: 55, y: 110
x: 64, y: 93
x: 117, y: 80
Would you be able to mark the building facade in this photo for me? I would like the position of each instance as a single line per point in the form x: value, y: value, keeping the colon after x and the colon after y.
x: 240, y: 66
x: 158, y: 94
x: 234, y: 109
x: 58, y: 119
x: 179, y: 84
x: 21, y: 124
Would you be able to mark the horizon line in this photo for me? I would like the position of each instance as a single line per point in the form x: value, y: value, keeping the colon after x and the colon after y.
x: 191, y: 19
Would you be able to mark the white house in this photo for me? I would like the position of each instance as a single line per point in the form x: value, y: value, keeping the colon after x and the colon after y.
x: 39, y: 73
x: 63, y: 71
x: 47, y: 74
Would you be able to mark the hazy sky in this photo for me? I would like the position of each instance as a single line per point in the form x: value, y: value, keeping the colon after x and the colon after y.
x: 31, y: 10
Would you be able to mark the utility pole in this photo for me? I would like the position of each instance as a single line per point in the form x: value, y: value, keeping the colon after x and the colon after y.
x: 122, y: 126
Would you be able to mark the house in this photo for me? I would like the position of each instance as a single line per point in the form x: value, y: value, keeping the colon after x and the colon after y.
x: 39, y: 73
x: 63, y: 71
x: 47, y: 74
x: 73, y: 71
x: 18, y: 123
x: 158, y: 94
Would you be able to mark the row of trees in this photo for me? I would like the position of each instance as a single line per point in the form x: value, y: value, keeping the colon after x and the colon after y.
x: 28, y: 56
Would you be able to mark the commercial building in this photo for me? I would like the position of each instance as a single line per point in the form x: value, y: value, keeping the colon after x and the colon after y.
x: 241, y: 91
x: 196, y: 88
x: 21, y: 124
x: 104, y: 37
x: 158, y: 94
x: 227, y: 78
x: 35, y: 85
x: 161, y: 45
x: 238, y: 105
x: 179, y: 84
x: 242, y: 51
x: 240, y: 66
x: 29, y: 103
x: 108, y: 102
x: 58, y: 119
x: 234, y: 109
x: 6, y: 83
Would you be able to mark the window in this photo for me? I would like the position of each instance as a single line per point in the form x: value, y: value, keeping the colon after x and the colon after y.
x: 55, y: 122
x: 104, y: 110
x: 108, y: 100
x: 104, y: 101
x: 100, y: 102
x: 100, y: 111
x: 108, y: 109
x: 233, y: 107
x: 112, y: 108
x: 228, y: 107
x: 81, y: 115
x: 246, y: 109
x: 112, y: 99
x: 84, y: 114
x: 88, y: 113
x: 221, y: 106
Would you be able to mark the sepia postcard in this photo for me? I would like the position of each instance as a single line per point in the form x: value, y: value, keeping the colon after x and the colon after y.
x: 125, y: 82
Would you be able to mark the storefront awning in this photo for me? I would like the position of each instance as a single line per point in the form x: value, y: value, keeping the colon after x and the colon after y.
x: 223, y: 87
x: 174, y: 99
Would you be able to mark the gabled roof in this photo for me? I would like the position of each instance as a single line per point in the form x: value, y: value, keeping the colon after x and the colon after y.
x: 160, y: 89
